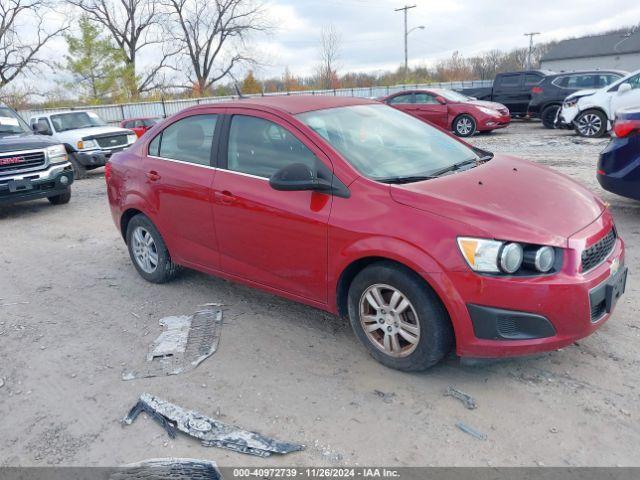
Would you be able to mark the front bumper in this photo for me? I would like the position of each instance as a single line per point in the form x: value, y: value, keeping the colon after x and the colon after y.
x: 567, y: 115
x: 55, y: 180
x: 619, y: 167
x: 544, y: 312
x: 493, y: 123
x: 98, y: 158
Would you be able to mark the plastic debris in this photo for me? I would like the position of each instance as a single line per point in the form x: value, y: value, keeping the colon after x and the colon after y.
x: 1, y: 382
x: 210, y: 432
x: 386, y: 397
x: 466, y: 399
x: 471, y: 431
x: 168, y: 469
x: 185, y: 343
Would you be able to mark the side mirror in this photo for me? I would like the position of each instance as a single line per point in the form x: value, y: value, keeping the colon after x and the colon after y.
x: 441, y: 100
x: 624, y: 88
x: 42, y: 129
x: 297, y: 177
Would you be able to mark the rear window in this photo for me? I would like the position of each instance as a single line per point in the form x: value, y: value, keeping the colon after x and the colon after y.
x: 531, y: 79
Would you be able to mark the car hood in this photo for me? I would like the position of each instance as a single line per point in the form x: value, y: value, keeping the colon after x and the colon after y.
x: 508, y: 199
x: 87, y: 133
x: 24, y: 141
x: 483, y: 103
x: 581, y: 93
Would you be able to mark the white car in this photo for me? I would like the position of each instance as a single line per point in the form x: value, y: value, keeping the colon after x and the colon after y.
x: 88, y: 139
x: 592, y: 112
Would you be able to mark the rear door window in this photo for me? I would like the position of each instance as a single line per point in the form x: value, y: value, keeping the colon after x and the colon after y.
x: 401, y: 99
x: 260, y: 147
x: 425, y: 98
x: 189, y: 140
x: 509, y: 82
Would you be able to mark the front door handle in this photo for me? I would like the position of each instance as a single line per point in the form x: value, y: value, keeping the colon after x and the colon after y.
x: 153, y: 176
x: 225, y: 197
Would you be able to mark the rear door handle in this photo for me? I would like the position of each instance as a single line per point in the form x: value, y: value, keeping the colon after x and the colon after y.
x: 153, y: 176
x: 225, y: 197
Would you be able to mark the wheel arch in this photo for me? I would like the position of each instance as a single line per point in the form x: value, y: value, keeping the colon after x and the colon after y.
x: 125, y: 218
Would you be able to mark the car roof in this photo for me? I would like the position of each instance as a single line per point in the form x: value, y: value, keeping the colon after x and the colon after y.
x: 624, y: 73
x: 292, y: 104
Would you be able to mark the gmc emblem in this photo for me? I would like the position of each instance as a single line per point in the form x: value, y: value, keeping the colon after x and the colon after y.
x: 11, y: 161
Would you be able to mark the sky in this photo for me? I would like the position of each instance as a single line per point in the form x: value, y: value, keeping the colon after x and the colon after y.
x: 372, y: 32
x: 372, y: 35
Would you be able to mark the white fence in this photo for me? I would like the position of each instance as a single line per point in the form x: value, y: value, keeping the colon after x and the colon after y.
x: 165, y: 108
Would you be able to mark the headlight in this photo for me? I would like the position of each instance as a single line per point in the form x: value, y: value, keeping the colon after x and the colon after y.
x: 86, y: 144
x: 489, y: 111
x: 132, y: 137
x: 572, y: 102
x: 57, y: 154
x: 492, y: 256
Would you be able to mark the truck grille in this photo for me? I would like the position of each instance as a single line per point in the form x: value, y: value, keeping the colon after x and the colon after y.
x: 112, y: 141
x: 17, y: 161
x: 597, y: 252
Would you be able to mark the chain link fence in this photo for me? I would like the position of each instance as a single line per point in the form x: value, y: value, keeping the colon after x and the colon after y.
x: 165, y: 108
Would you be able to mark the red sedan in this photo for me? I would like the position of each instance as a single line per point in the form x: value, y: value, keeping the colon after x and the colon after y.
x: 353, y: 207
x: 139, y: 125
x: 451, y: 110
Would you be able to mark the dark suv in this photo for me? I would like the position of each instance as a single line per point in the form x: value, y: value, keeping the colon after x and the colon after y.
x: 31, y: 166
x: 548, y: 95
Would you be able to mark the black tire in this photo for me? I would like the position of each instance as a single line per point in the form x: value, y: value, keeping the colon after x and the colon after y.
x: 436, y: 336
x: 79, y: 170
x: 548, y: 116
x: 591, y: 124
x: 165, y: 270
x: 464, y: 125
x: 61, y: 199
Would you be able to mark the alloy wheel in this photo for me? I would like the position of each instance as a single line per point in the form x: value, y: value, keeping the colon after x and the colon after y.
x: 464, y: 126
x: 389, y: 320
x: 589, y: 125
x: 144, y: 249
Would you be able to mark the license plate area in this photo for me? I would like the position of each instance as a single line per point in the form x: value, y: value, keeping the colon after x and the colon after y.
x: 604, y: 297
x: 19, y: 185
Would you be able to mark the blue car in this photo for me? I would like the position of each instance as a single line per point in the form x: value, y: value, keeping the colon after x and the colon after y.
x: 619, y: 163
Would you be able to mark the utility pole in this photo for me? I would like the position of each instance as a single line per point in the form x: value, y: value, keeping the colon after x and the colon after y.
x: 530, y: 35
x: 406, y: 35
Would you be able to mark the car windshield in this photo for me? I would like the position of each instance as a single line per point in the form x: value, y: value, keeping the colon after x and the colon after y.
x: 385, y: 144
x: 73, y: 120
x: 452, y: 95
x: 10, y: 123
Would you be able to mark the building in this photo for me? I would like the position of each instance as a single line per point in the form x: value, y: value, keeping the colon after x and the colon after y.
x: 617, y: 51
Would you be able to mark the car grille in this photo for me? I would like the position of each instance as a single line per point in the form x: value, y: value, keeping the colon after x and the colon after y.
x: 112, y: 141
x: 597, y: 252
x: 16, y: 161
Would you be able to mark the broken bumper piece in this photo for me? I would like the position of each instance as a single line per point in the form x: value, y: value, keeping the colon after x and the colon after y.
x: 210, y: 432
x: 168, y: 469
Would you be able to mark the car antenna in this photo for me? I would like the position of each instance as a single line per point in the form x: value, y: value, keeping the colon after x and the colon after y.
x: 240, y: 95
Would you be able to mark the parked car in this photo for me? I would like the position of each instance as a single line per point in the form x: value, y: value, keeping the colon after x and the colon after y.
x: 591, y: 112
x: 139, y: 125
x: 361, y: 210
x: 548, y: 95
x: 619, y: 163
x: 89, y: 141
x: 451, y: 110
x: 31, y: 166
x: 511, y: 89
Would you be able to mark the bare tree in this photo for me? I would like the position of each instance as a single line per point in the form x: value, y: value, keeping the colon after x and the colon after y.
x: 327, y: 72
x: 19, y: 51
x: 133, y: 25
x: 212, y: 36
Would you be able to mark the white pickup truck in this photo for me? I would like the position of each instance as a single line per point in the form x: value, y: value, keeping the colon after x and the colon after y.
x: 88, y: 139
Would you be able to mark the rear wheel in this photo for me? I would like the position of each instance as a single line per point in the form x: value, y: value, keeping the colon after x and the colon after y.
x: 548, y: 116
x: 464, y: 125
x: 79, y: 170
x: 61, y: 199
x: 148, y: 251
x: 398, y: 317
x: 591, y: 123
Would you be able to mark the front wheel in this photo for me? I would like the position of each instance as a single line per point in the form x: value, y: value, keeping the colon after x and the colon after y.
x: 61, y: 199
x: 464, y: 126
x: 548, y: 116
x: 398, y: 318
x: 79, y: 170
x: 591, y: 123
x: 148, y: 252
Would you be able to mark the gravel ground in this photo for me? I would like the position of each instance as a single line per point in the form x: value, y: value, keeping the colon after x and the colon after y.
x: 74, y: 313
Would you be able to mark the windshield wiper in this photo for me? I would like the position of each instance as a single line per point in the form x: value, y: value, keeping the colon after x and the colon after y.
x: 453, y: 168
x: 407, y: 179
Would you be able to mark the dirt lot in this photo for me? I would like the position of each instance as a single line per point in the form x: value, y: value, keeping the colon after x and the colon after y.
x: 74, y: 313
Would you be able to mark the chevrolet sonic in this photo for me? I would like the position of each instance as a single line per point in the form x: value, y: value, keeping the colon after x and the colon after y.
x: 348, y: 205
